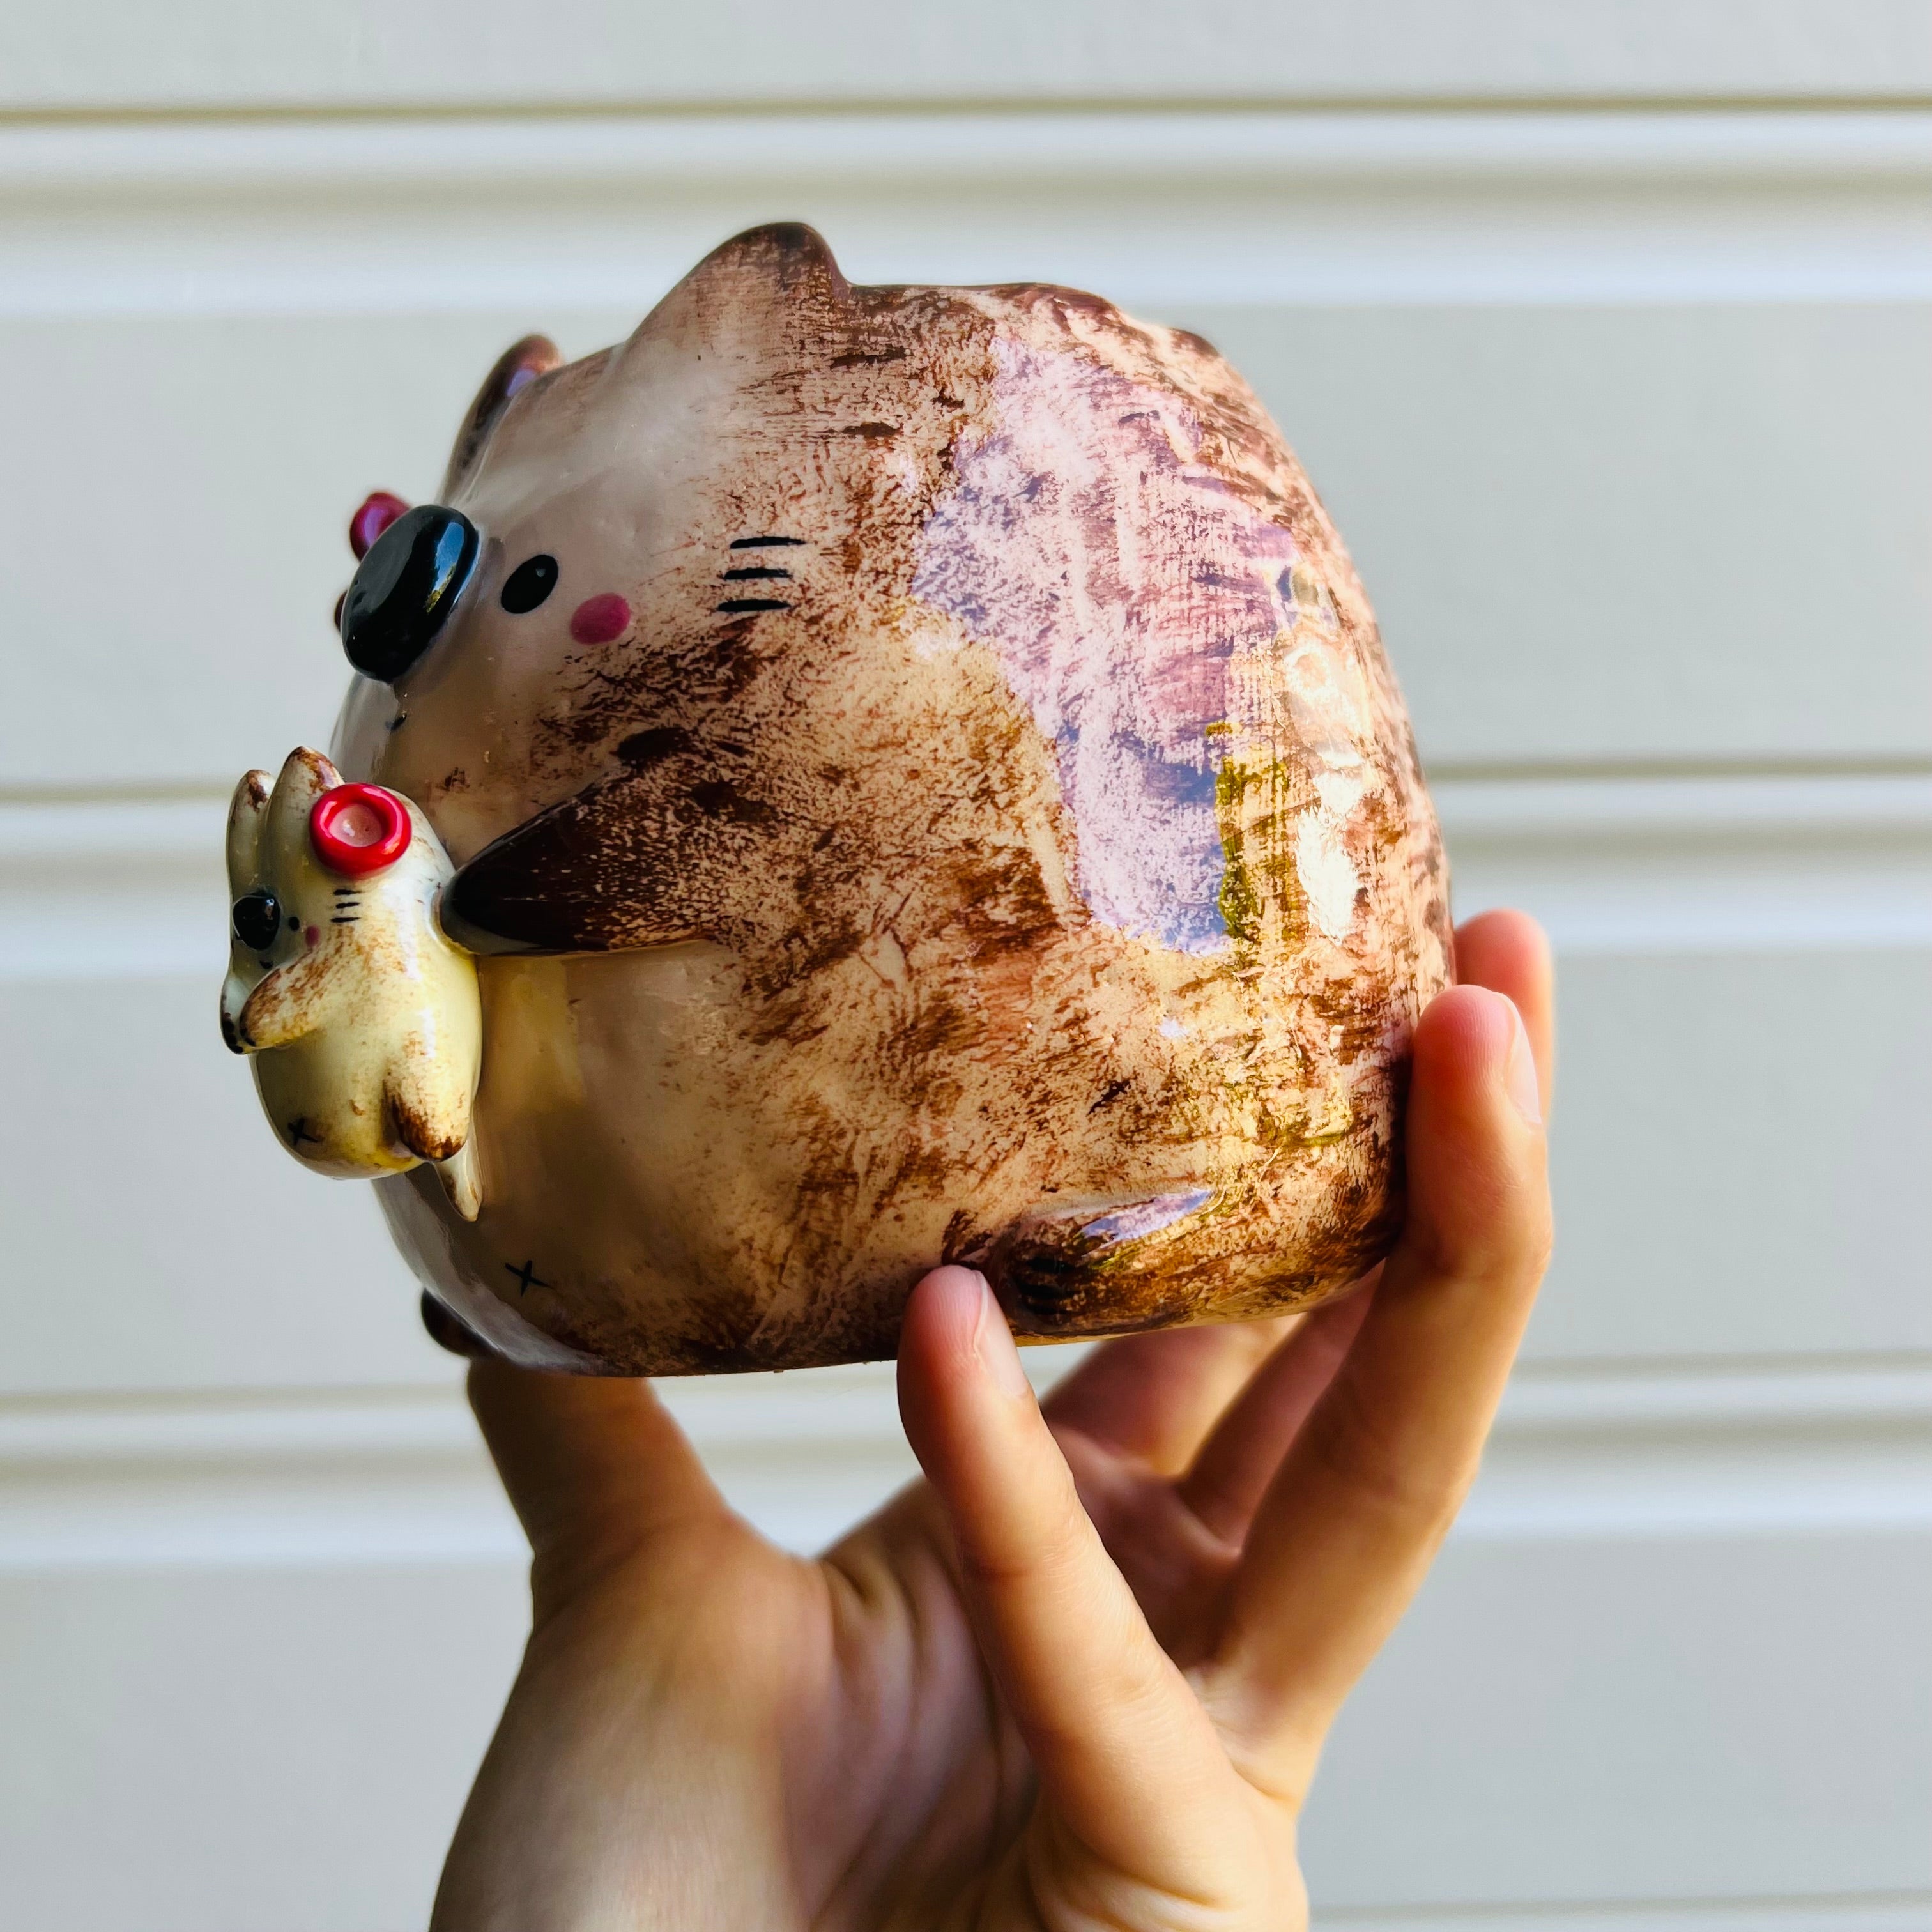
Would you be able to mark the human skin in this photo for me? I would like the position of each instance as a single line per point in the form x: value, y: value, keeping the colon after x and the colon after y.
x: 1080, y: 1674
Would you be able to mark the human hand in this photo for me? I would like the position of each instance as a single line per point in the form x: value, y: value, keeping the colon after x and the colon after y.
x: 1079, y: 1676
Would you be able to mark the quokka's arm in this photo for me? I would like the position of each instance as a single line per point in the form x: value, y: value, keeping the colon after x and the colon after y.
x: 292, y: 1002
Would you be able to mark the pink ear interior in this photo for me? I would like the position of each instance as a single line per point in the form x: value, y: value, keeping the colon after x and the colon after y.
x: 378, y: 510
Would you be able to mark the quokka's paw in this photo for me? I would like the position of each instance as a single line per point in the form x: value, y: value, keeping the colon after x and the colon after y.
x: 1103, y: 1268
x: 361, y: 1017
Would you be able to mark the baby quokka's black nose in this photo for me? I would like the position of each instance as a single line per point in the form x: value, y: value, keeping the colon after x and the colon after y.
x: 405, y: 589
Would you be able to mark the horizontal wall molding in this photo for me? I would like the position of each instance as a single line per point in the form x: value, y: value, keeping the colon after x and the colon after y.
x: 1637, y: 866
x: 399, y: 1476
x: 242, y: 159
x: 327, y: 216
x: 228, y: 54
x: 1841, y: 1912
x: 731, y: 1414
x: 1758, y: 805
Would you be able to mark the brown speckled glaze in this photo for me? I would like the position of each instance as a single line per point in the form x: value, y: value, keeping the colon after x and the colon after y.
x: 1027, y: 865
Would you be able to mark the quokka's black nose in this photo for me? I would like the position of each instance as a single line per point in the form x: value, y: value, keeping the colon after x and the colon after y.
x: 405, y: 589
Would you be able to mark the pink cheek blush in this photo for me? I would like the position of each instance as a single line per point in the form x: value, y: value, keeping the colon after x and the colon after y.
x: 312, y: 934
x: 599, y: 619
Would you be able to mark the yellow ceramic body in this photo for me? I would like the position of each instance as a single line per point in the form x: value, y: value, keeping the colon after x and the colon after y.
x: 363, y: 1022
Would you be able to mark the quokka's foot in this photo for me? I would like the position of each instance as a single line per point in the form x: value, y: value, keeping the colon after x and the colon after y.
x: 449, y: 1331
x: 462, y: 1180
x: 1097, y: 1269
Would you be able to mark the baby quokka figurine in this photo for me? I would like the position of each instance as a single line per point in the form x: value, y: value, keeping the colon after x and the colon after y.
x: 363, y: 1020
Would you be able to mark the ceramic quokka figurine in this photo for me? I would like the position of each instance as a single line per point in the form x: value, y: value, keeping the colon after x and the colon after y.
x: 924, y: 784
x: 362, y: 1019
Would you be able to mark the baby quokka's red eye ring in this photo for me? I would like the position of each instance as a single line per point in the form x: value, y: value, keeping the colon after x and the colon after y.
x: 359, y: 828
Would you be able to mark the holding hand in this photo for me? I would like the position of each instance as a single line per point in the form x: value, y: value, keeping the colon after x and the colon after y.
x: 1081, y: 1676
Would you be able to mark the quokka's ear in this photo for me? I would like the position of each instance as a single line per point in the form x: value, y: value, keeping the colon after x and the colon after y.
x: 782, y: 262
x: 516, y: 369
x: 756, y: 291
x: 245, y: 828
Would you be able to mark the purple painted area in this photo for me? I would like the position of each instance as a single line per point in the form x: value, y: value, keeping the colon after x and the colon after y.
x: 1142, y: 1218
x: 1117, y: 579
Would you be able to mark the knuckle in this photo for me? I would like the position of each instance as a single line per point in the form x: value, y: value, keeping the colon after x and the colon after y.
x: 1040, y: 1550
x: 1499, y: 1235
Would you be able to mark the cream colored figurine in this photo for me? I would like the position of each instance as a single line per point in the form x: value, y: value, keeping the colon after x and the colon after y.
x: 362, y: 1019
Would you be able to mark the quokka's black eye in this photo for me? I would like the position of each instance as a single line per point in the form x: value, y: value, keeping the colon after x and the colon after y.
x: 258, y: 918
x: 405, y: 589
x: 529, y: 584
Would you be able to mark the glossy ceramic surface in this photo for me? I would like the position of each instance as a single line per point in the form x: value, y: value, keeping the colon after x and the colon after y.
x: 361, y: 1020
x: 924, y: 782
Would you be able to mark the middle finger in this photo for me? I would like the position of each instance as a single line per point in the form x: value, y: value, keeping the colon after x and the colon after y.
x: 1152, y: 1400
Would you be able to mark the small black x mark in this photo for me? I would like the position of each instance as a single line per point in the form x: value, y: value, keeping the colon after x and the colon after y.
x: 298, y: 1132
x: 527, y: 1277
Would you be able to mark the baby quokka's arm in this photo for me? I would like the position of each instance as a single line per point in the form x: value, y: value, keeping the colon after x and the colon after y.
x: 361, y: 1017
x: 292, y: 1002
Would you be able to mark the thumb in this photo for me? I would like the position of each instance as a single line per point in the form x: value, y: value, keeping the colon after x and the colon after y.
x: 589, y: 1463
x: 1125, y: 1756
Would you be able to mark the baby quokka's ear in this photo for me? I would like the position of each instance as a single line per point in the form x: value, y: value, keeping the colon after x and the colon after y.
x: 246, y: 811
x: 305, y: 776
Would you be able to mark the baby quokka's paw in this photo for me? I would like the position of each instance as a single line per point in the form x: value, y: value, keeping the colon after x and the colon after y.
x: 362, y: 1020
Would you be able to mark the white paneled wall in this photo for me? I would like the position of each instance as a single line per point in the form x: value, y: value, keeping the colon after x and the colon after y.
x: 1626, y: 412
x: 205, y: 54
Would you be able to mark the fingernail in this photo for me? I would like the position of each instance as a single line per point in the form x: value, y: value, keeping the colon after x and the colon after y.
x: 1520, y: 1078
x: 995, y: 1341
